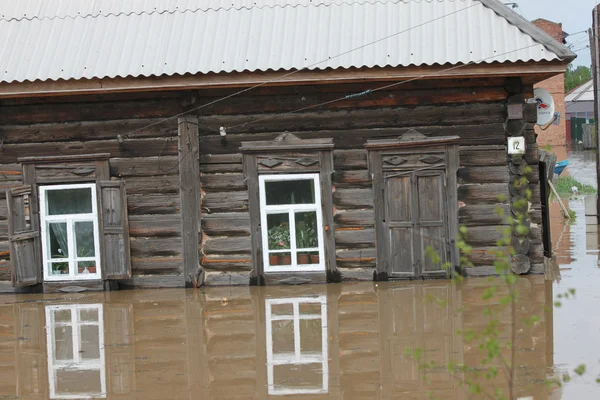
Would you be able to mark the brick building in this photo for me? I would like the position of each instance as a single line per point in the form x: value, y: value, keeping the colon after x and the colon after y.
x: 554, y: 135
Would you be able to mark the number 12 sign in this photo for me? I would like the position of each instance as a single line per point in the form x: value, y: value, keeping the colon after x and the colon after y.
x: 516, y: 145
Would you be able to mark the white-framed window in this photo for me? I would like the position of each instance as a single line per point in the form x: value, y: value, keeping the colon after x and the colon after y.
x: 69, y: 229
x: 76, y: 365
x: 297, y: 352
x: 291, y: 221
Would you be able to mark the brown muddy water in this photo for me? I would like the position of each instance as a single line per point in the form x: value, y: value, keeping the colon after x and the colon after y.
x: 339, y: 341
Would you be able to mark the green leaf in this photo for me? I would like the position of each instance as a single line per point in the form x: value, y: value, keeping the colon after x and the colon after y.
x: 580, y: 370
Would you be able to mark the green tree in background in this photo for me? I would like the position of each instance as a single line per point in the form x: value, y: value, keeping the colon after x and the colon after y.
x: 576, y: 76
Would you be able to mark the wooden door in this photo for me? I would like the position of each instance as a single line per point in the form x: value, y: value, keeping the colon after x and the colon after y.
x: 416, y: 224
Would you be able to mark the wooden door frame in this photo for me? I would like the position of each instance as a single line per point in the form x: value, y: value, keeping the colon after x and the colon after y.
x: 446, y: 147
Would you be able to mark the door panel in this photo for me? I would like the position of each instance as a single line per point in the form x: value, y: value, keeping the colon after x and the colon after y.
x: 399, y: 225
x: 401, y: 251
x: 433, y: 249
x: 398, y: 193
x: 430, y: 197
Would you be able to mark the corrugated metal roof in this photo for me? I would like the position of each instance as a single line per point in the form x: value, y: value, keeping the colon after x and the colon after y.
x: 84, y: 39
x: 584, y: 92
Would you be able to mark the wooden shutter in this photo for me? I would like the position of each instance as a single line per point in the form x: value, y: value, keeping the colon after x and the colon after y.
x: 114, y: 230
x: 25, y: 243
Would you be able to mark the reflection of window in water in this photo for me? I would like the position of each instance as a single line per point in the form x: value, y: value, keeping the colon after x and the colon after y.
x: 297, y: 345
x: 75, y: 336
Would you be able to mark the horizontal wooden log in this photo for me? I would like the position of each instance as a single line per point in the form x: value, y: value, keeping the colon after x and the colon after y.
x: 223, y: 182
x: 227, y: 262
x: 4, y: 248
x: 152, y: 184
x: 354, y: 218
x: 479, y: 174
x: 156, y: 265
x: 355, y: 238
x: 5, y: 271
x: 356, y: 258
x: 483, y: 156
x: 221, y: 168
x: 154, y: 281
x: 156, y: 247
x: 153, y: 204
x: 352, y: 179
x: 154, y: 226
x: 233, y: 158
x: 226, y: 224
x: 3, y: 230
x: 88, y: 130
x: 226, y: 245
x: 215, y: 202
x: 10, y: 175
x: 492, y: 134
x: 353, y: 198
x: 485, y: 236
x: 483, y: 193
x: 369, y: 118
x: 219, y: 278
x: 350, y: 159
x: 486, y: 214
x: 144, y: 166
x: 131, y: 148
x: 3, y: 209
x: 483, y: 256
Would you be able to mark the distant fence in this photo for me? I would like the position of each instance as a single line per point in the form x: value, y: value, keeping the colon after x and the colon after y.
x: 589, y: 136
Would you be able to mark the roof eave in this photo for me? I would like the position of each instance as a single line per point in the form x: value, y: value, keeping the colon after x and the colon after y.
x: 533, y: 71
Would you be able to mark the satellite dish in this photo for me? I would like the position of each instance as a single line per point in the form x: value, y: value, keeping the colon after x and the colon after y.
x: 545, y: 106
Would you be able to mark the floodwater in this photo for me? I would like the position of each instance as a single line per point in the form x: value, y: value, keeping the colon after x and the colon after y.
x: 339, y: 341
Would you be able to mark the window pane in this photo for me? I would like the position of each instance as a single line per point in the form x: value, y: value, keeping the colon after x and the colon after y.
x: 59, y: 268
x: 310, y: 309
x: 61, y: 316
x: 279, y: 231
x: 308, y: 258
x: 311, y: 336
x: 306, y: 230
x: 84, y: 237
x: 69, y: 201
x: 57, y: 233
x: 90, y: 346
x: 290, y: 192
x: 86, y: 267
x: 298, y: 377
x: 282, y: 309
x: 88, y: 315
x: 283, y: 336
x: 63, y: 343
x: 78, y: 382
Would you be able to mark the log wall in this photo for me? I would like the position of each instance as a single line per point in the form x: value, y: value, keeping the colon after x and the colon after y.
x: 147, y: 158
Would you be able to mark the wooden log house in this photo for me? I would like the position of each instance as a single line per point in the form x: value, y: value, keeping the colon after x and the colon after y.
x: 255, y: 151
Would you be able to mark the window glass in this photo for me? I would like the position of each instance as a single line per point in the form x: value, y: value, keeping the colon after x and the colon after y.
x: 59, y: 247
x: 63, y: 343
x: 69, y: 201
x: 306, y: 230
x: 290, y: 192
x: 84, y: 237
x: 278, y: 226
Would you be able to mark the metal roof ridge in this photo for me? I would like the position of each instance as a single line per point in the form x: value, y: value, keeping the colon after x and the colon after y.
x: 528, y: 28
x: 214, y: 9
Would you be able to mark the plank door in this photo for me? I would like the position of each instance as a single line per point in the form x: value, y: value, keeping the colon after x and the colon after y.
x: 415, y: 224
x: 432, y: 248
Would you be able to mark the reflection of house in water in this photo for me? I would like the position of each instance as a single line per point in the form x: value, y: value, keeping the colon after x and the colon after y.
x: 297, y: 345
x: 75, y: 343
x: 321, y: 342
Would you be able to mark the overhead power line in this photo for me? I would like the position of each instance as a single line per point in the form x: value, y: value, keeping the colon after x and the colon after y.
x: 279, y: 78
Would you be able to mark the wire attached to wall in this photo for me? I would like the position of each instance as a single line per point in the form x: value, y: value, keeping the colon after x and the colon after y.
x: 288, y: 74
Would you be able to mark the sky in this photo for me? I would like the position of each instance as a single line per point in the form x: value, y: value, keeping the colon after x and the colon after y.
x: 575, y: 15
